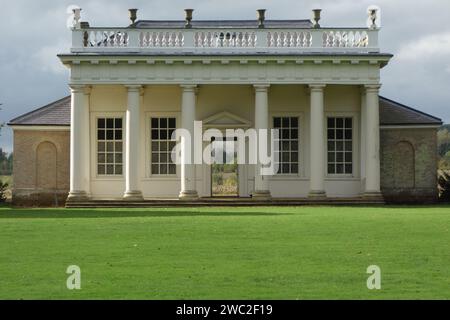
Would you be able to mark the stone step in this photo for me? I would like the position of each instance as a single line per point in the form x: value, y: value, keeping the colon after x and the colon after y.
x: 220, y: 202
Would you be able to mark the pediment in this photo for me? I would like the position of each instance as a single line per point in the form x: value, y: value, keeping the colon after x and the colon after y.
x: 226, y: 119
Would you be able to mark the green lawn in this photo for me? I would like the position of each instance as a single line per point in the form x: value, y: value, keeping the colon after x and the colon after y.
x: 226, y: 253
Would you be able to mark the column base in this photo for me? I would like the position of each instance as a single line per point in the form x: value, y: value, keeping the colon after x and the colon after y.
x: 133, y: 196
x: 317, y: 194
x: 188, y: 195
x: 373, y: 196
x: 261, y: 195
x: 77, y: 196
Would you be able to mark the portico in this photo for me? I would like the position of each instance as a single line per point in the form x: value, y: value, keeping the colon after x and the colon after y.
x: 312, y: 174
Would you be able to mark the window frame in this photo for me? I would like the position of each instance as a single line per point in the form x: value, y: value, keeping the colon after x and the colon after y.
x: 94, y: 140
x: 300, y: 139
x: 148, y: 146
x: 355, y: 146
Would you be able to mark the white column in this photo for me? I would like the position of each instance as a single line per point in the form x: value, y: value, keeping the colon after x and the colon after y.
x: 188, y: 189
x: 372, y: 141
x: 79, y: 147
x: 261, y: 190
x: 87, y: 141
x: 363, y: 139
x: 132, y: 136
x: 317, y: 142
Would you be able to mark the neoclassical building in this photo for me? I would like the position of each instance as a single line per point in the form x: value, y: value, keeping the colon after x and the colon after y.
x: 131, y: 87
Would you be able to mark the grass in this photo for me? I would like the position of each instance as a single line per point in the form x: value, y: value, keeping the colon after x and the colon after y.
x: 226, y: 253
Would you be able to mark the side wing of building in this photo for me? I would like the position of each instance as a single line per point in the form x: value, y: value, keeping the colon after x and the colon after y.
x: 42, y: 155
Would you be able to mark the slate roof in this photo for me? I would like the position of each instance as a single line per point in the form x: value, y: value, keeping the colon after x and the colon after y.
x: 158, y: 24
x: 58, y: 114
x: 54, y: 114
x: 394, y: 113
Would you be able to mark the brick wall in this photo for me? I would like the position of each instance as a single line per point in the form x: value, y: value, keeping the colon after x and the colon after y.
x: 409, y: 165
x: 41, y: 167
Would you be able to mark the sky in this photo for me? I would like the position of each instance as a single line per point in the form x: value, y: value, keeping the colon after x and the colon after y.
x: 34, y: 32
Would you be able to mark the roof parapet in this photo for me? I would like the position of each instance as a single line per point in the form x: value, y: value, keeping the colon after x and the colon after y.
x: 236, y: 36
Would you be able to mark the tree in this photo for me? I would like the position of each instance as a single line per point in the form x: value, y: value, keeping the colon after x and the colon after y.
x: 3, y: 188
x: 2, y: 124
x: 443, y: 141
x: 443, y: 138
x: 444, y: 186
x: 6, y: 163
x: 6, y: 160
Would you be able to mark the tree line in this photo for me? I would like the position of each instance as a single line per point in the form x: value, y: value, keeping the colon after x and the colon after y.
x: 6, y: 163
x: 444, y: 147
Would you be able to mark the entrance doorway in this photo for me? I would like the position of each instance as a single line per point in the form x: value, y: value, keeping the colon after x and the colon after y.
x: 225, y: 169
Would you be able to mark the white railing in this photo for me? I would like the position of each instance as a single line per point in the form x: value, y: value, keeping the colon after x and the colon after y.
x: 202, y: 41
x: 345, y: 39
x: 106, y: 38
x: 289, y: 39
x: 161, y: 39
x: 225, y: 39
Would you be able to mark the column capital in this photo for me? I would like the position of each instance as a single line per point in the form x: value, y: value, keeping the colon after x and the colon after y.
x: 372, y: 87
x: 80, y: 88
x: 362, y: 90
x: 261, y: 87
x: 188, y: 87
x: 87, y: 90
x: 133, y: 87
x: 317, y: 87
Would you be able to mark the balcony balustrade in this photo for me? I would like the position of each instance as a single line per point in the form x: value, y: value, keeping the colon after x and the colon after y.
x: 203, y: 41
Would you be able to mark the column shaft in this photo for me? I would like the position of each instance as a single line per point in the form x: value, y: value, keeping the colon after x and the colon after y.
x: 372, y: 141
x: 132, y: 138
x: 188, y: 189
x: 317, y: 142
x: 363, y: 139
x: 262, y: 189
x: 87, y: 141
x: 79, y: 149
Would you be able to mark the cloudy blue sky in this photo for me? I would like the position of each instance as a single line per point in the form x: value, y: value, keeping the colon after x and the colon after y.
x: 33, y: 32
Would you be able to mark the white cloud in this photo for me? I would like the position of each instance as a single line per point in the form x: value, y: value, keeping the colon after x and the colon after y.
x: 429, y: 46
x: 46, y: 59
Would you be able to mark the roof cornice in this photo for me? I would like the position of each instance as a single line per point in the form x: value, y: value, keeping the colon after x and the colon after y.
x: 380, y: 59
x: 33, y: 127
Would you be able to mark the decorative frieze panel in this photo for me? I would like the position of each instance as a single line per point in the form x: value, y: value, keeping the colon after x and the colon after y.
x: 225, y: 71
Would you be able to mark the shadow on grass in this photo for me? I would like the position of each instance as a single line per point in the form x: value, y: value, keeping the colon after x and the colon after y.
x: 123, y: 213
x: 7, y: 212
